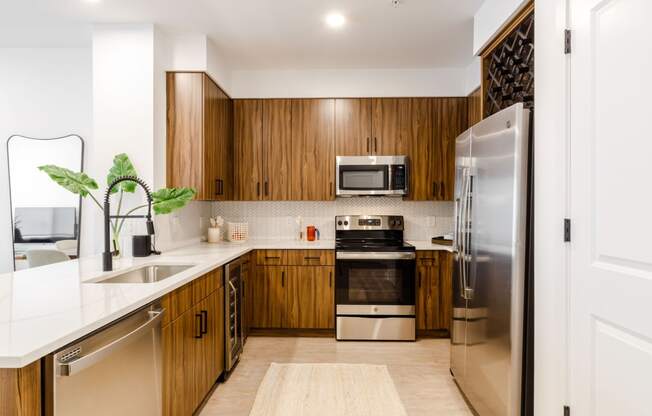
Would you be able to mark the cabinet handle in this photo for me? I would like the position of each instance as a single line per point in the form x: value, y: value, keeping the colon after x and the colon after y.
x: 199, y: 326
x: 434, y: 189
x: 312, y: 258
x: 266, y: 188
x: 441, y: 189
x: 282, y: 279
x: 204, y: 322
x: 217, y: 186
x: 330, y: 188
x: 375, y: 145
x: 272, y: 257
x: 221, y: 187
x: 368, y: 145
x: 330, y: 279
x: 257, y: 188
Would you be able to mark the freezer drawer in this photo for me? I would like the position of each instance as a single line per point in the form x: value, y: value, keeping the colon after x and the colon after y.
x: 376, y: 329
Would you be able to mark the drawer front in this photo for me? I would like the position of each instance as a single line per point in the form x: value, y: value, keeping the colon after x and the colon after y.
x: 311, y: 257
x: 428, y: 258
x: 181, y: 300
x: 271, y: 257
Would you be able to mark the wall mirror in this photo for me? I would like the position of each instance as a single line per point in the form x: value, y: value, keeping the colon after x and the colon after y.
x: 45, y: 217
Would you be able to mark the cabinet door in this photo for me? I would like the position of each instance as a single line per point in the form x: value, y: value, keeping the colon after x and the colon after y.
x: 353, y: 127
x: 211, y: 146
x: 209, y: 356
x: 428, y: 290
x: 388, y: 122
x: 422, y: 295
x: 248, y: 142
x: 180, y: 390
x: 445, y: 289
x: 449, y: 121
x: 310, y: 297
x: 277, y: 139
x: 313, y: 148
x: 185, y: 130
x: 325, y: 297
x: 270, y: 297
x: 224, y: 147
x: 419, y: 136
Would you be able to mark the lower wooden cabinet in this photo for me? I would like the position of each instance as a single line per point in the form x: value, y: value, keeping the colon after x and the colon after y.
x: 193, y: 351
x: 295, y: 294
x: 310, y: 301
x: 20, y: 390
x: 434, y: 290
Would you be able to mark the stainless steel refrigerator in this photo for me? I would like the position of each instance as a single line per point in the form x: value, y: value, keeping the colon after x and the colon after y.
x: 492, y: 271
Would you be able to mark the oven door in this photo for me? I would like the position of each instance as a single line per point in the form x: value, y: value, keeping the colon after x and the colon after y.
x: 375, y: 283
x: 363, y: 179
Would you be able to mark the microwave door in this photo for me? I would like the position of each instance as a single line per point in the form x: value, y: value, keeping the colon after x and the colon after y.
x: 364, y: 178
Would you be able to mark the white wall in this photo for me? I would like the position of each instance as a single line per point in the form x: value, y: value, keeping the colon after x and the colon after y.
x: 491, y: 18
x: 473, y: 75
x: 349, y: 83
x: 45, y: 93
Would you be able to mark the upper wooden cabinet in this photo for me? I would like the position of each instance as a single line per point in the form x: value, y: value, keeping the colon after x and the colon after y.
x: 371, y: 126
x: 431, y: 127
x: 353, y: 127
x: 313, y: 150
x: 263, y: 149
x: 199, y: 136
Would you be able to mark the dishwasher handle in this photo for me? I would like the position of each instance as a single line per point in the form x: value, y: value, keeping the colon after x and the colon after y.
x: 73, y: 367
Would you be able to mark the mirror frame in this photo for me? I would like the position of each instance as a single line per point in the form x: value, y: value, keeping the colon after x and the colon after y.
x: 11, y: 211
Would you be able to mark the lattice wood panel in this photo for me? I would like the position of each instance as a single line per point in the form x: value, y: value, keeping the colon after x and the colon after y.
x: 508, y: 68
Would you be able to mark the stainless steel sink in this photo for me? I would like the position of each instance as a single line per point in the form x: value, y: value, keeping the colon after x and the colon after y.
x: 147, y: 274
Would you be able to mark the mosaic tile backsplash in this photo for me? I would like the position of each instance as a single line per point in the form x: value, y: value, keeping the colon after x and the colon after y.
x: 277, y: 220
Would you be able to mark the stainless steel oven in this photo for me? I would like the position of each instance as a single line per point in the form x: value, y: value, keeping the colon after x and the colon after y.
x: 372, y: 175
x: 375, y: 286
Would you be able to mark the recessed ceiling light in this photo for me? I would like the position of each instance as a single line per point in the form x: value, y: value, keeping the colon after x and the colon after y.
x: 335, y: 20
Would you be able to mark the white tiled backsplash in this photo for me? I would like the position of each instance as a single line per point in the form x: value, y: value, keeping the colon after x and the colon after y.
x: 277, y: 220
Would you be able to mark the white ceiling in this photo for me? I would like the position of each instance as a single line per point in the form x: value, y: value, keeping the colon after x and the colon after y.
x: 268, y: 34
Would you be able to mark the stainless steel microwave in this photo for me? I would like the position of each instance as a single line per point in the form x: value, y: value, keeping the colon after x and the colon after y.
x: 372, y: 175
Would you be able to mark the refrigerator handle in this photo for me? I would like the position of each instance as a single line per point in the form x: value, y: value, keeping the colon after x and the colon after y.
x: 459, y: 235
x: 468, y: 291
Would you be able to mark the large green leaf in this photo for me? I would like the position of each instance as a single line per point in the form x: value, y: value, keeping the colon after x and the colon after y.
x: 167, y: 200
x: 122, y: 166
x: 76, y: 182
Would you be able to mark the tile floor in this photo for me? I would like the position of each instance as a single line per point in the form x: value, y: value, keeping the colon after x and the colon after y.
x: 419, y: 370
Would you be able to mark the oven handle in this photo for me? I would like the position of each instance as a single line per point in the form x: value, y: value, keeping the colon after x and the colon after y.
x: 366, y: 255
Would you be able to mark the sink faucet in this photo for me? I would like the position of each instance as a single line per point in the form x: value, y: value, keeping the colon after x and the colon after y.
x: 107, y: 256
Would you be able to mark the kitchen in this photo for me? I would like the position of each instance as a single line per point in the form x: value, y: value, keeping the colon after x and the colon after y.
x: 309, y: 211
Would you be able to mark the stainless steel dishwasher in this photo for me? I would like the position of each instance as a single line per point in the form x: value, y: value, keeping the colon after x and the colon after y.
x: 115, y: 371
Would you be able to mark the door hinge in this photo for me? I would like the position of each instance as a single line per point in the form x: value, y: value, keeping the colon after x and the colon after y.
x: 566, y: 410
x: 567, y: 230
x: 567, y: 41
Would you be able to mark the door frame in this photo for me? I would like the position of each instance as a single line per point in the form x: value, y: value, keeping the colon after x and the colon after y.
x: 552, y: 205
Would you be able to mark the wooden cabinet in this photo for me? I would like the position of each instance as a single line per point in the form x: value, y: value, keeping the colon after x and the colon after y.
x: 450, y: 119
x: 434, y: 290
x: 199, y: 136
x: 296, y: 292
x: 474, y: 107
x: 353, y: 127
x: 433, y: 124
x: 270, y: 297
x: 193, y: 343
x: 20, y: 390
x: 310, y: 297
x: 371, y: 126
x: 263, y: 151
x: 313, y: 150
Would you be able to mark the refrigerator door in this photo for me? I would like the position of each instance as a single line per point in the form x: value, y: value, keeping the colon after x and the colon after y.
x: 458, y: 325
x: 495, y: 302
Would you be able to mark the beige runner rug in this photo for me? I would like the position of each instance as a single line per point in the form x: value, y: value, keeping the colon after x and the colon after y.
x: 328, y: 390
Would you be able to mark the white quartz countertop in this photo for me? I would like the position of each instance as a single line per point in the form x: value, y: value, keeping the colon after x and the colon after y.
x: 45, y: 308
x: 422, y: 245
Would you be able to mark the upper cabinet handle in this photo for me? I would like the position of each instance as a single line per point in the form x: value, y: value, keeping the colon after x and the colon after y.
x: 368, y: 145
x: 266, y: 188
x: 375, y: 145
x: 441, y: 189
x: 257, y: 188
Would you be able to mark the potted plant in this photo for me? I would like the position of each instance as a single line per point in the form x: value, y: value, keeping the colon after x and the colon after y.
x: 164, y: 201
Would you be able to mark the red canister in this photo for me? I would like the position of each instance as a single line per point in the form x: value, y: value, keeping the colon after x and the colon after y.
x: 310, y: 232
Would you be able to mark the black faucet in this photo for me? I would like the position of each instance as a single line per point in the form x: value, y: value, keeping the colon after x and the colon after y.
x: 107, y: 256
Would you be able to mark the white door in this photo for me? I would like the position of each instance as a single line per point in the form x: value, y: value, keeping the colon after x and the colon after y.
x: 611, y: 208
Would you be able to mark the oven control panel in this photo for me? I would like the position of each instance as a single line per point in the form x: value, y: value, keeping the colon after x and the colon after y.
x: 369, y: 222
